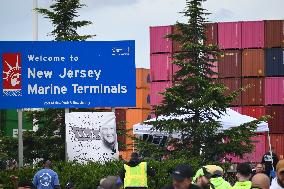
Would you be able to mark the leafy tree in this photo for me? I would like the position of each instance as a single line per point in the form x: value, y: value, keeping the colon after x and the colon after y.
x: 195, y: 99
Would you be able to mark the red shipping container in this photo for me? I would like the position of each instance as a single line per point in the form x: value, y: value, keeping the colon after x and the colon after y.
x: 120, y: 115
x: 277, y: 142
x: 253, y: 63
x: 176, y: 45
x: 254, y: 93
x: 230, y: 35
x: 237, y: 109
x: 274, y: 33
x: 253, y: 34
x: 161, y: 67
x: 274, y: 90
x: 158, y: 41
x: 256, y: 156
x: 156, y: 88
x: 175, y: 68
x: 233, y: 84
x: 276, y: 123
x: 215, y: 69
x: 230, y: 63
x: 211, y: 31
x: 254, y: 111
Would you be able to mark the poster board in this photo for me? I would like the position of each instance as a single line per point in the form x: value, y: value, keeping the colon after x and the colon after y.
x: 91, y: 136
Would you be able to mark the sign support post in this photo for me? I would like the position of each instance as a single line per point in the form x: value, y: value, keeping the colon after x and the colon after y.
x: 20, y: 138
x: 67, y: 110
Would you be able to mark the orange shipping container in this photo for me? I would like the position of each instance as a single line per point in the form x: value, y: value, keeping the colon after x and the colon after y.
x: 134, y: 116
x: 253, y: 63
x: 143, y: 98
x: 142, y: 78
x: 125, y: 155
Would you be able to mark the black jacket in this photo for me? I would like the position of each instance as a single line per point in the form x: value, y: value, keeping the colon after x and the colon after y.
x: 133, y: 163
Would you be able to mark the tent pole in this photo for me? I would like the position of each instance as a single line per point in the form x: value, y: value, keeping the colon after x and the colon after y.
x: 270, y: 150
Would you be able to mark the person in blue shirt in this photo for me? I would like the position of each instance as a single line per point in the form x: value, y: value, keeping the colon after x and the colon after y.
x: 46, y: 178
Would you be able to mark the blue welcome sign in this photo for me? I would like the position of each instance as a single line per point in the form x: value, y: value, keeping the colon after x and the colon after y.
x: 67, y: 74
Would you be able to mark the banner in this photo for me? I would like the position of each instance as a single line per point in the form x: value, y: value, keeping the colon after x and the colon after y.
x: 91, y: 136
x: 67, y: 74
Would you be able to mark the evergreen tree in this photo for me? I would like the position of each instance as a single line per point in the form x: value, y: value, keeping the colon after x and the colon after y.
x: 63, y: 16
x: 195, y: 99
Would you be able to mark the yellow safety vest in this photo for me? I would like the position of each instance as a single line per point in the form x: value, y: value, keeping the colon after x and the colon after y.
x: 136, y: 176
x: 242, y: 185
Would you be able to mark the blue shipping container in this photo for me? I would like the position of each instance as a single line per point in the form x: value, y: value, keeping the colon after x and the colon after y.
x: 274, y: 62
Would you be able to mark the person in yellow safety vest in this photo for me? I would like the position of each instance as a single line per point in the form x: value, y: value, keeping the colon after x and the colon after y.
x: 210, y: 176
x: 135, y: 173
x: 244, y: 173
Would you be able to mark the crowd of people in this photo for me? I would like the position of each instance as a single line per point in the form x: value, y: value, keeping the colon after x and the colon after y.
x: 136, y: 174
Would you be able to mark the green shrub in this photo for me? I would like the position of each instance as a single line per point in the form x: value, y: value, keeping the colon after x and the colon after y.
x: 88, y: 176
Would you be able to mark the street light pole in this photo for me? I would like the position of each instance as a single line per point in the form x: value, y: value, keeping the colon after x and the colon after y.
x: 20, y: 111
x: 35, y: 20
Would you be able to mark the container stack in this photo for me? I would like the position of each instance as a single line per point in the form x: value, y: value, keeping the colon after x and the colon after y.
x: 161, y: 52
x: 138, y: 114
x: 252, y: 58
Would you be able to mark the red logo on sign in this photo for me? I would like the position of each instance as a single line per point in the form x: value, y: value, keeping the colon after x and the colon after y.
x: 12, y: 80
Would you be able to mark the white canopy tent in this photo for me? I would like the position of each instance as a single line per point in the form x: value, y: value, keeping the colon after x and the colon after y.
x: 228, y: 120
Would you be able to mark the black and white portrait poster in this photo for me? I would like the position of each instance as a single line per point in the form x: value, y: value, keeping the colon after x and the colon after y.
x: 91, y: 136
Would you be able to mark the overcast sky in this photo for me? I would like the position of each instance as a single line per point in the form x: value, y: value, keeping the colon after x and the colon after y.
x: 130, y: 19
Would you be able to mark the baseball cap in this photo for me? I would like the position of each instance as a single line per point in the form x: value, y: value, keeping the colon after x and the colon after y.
x: 182, y: 172
x: 214, y: 170
x: 244, y: 169
x: 111, y: 182
x: 280, y: 166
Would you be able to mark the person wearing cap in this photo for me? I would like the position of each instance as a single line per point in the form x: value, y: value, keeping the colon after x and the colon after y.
x: 267, y: 160
x: 210, y: 176
x: 182, y: 178
x: 278, y: 182
x: 260, y: 180
x: 111, y: 182
x: 244, y: 173
x: 135, y: 173
x: 46, y: 178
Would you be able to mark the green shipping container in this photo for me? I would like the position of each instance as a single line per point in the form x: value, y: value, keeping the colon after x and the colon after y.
x: 9, y: 122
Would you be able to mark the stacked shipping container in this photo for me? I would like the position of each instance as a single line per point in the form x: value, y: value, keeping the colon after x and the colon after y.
x: 161, y: 53
x: 139, y: 113
x: 252, y: 58
x: 261, y: 71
